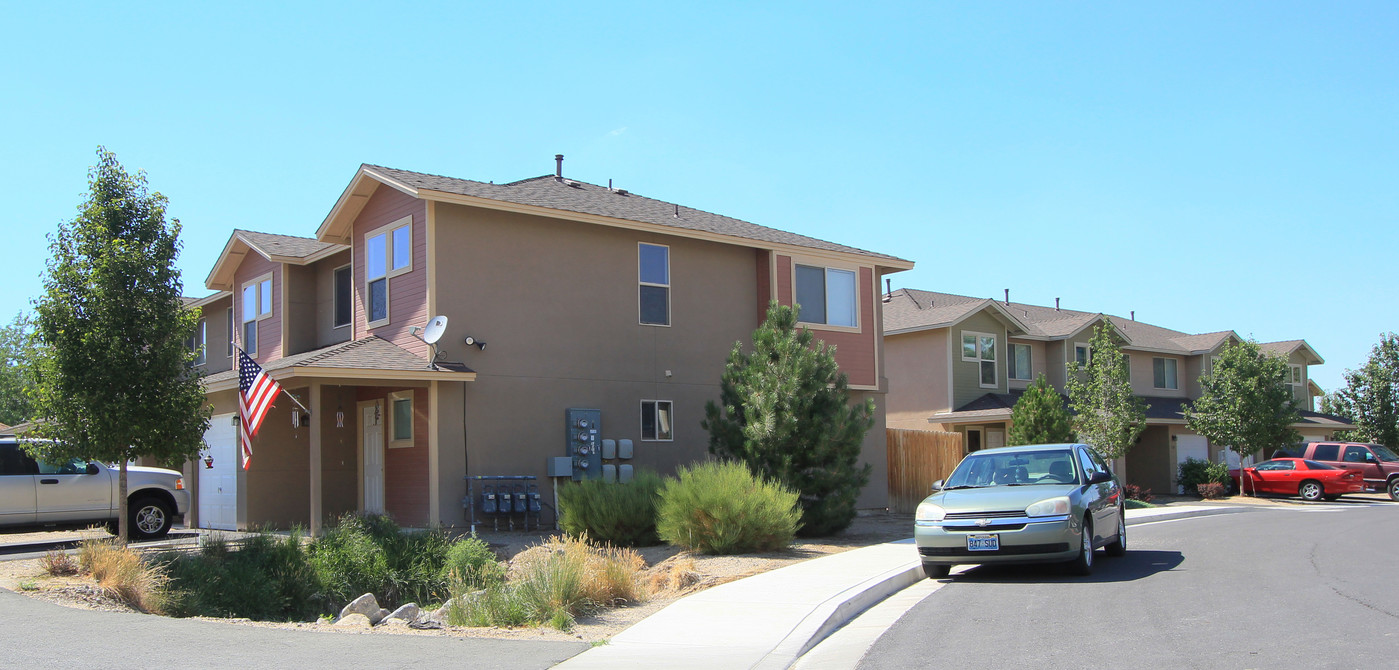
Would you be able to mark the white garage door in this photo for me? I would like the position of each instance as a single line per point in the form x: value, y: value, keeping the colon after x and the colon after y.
x: 218, y: 486
x: 1192, y: 446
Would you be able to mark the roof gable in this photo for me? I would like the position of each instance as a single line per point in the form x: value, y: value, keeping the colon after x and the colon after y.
x: 286, y: 249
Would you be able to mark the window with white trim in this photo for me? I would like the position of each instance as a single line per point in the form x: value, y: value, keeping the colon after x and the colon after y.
x: 400, y: 419
x: 656, y: 421
x: 1018, y: 364
x: 980, y: 348
x: 388, y: 252
x: 257, y: 305
x: 1083, y: 353
x: 827, y: 296
x: 1163, y: 373
x: 653, y: 277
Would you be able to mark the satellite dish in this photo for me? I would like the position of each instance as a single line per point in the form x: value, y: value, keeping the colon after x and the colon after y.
x: 433, y: 332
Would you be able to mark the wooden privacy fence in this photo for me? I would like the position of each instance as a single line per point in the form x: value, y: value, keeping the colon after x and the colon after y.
x: 917, y: 458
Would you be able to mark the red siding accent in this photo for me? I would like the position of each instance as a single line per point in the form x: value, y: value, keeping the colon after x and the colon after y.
x: 405, y: 468
x: 854, y: 351
x: 408, y: 291
x: 764, y: 258
x: 269, y: 330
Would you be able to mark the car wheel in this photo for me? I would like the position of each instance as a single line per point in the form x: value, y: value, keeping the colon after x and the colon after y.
x: 1232, y: 488
x: 1118, y: 547
x: 1311, y: 490
x: 1394, y: 489
x: 934, y: 571
x: 1083, y: 565
x: 150, y: 518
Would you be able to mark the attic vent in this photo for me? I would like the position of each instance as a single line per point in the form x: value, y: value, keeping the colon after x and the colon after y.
x: 571, y: 183
x: 622, y: 191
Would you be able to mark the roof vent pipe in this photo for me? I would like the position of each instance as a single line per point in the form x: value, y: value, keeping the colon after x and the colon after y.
x: 1007, y: 297
x: 1056, y: 304
x: 1134, y: 315
x: 558, y: 167
x: 888, y: 289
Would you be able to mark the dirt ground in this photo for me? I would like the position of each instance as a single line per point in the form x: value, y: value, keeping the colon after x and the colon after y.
x: 680, y: 573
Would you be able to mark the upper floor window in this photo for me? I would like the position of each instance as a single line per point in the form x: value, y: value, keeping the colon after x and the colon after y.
x: 1163, y: 373
x: 653, y: 275
x: 826, y: 296
x: 257, y: 305
x: 981, y: 349
x: 1082, y: 354
x: 1019, y: 362
x: 1297, y: 376
x: 197, y: 342
x: 342, y: 297
x: 656, y: 420
x: 388, y: 252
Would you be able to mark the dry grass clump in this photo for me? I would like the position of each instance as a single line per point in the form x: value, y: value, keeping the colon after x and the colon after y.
x: 58, y: 563
x: 675, y: 575
x: 120, y: 572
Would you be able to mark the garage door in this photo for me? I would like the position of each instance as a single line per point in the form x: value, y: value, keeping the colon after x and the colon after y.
x: 218, y: 486
x: 1191, y: 446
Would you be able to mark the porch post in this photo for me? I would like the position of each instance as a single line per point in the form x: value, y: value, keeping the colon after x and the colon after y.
x: 315, y: 487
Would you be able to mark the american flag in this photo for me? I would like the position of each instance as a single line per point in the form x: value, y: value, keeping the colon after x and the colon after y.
x: 256, y: 391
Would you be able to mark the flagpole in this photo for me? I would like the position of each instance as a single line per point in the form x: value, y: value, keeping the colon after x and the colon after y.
x: 285, y: 393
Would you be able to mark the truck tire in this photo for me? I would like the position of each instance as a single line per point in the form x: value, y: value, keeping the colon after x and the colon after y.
x: 1394, y: 489
x: 150, y: 518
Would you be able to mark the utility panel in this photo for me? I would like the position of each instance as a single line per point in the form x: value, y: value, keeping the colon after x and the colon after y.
x: 584, y: 445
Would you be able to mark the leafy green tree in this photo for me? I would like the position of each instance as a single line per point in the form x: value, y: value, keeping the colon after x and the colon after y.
x: 1370, y: 398
x: 784, y: 411
x: 1039, y: 416
x: 1245, y: 401
x: 113, y: 379
x: 1335, y: 404
x: 16, y: 375
x: 1106, y: 413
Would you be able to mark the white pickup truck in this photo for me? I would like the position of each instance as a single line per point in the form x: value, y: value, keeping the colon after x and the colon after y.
x: 36, y: 493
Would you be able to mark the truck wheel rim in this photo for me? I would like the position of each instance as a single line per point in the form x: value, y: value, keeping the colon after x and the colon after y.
x: 150, y: 519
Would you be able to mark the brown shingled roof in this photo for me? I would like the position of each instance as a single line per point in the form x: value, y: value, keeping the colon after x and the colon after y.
x: 372, y: 353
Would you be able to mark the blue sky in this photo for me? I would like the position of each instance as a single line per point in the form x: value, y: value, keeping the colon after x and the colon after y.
x: 1209, y: 165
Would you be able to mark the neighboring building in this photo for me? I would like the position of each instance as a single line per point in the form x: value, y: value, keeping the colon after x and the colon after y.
x: 959, y: 364
x: 588, y: 296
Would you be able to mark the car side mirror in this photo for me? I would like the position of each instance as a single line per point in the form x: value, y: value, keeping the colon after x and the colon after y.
x: 1100, y: 477
x: 937, y: 485
x: 92, y: 469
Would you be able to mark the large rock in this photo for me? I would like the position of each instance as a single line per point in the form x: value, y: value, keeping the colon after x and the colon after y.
x: 354, y: 619
x: 407, y: 614
x: 367, y: 605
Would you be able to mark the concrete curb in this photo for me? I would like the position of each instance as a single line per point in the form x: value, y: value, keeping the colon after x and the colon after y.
x: 1151, y: 515
x: 839, y: 610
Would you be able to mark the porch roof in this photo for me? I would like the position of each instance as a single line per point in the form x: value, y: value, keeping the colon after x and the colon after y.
x: 370, y: 358
x: 997, y: 406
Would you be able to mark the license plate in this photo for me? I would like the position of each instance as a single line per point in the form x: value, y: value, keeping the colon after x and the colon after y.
x: 983, y: 543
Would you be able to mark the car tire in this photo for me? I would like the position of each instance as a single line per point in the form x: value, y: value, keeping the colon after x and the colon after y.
x: 1083, y: 565
x: 149, y: 518
x: 1311, y: 490
x: 934, y: 571
x: 1394, y: 489
x: 1118, y: 547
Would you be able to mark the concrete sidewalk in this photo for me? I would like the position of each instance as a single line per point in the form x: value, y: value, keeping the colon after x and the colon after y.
x: 769, y: 620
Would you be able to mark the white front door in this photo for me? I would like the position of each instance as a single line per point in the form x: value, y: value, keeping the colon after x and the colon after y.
x: 995, y: 439
x: 218, y: 486
x: 372, y: 433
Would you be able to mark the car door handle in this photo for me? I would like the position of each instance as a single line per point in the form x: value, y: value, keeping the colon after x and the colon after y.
x: 48, y: 481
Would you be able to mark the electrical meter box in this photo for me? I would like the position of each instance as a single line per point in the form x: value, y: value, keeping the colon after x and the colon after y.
x: 584, y: 444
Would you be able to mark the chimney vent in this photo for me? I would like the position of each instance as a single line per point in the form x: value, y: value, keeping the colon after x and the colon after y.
x: 888, y: 289
x: 1007, y: 297
x: 1134, y: 315
x: 1056, y: 304
x: 558, y: 166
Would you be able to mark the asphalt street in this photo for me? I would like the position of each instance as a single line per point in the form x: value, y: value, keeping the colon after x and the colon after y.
x: 36, y: 634
x: 1307, y: 586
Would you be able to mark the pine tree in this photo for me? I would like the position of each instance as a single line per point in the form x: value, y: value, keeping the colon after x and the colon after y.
x: 784, y: 411
x: 1039, y: 416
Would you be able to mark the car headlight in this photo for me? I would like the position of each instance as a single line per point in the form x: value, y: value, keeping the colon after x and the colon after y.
x: 929, y: 512
x: 1051, y: 507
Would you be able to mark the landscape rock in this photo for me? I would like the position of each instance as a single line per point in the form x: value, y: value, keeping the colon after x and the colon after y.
x: 354, y: 619
x: 367, y: 605
x: 407, y: 613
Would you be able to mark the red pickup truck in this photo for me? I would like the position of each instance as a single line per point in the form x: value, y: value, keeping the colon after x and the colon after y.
x: 1378, y: 463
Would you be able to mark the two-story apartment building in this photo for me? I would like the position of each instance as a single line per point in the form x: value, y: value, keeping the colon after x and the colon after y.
x: 558, y: 294
x: 959, y: 363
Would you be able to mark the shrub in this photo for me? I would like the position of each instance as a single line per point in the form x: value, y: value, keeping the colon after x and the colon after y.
x: 265, y: 578
x: 1210, y: 490
x: 721, y: 508
x: 58, y: 563
x: 1138, y: 504
x: 471, y: 563
x: 1135, y: 492
x: 370, y: 554
x: 120, y: 572
x: 1194, y: 472
x: 618, y: 514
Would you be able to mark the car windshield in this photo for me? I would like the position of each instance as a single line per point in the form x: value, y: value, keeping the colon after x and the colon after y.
x: 1017, y: 468
x: 1384, y: 453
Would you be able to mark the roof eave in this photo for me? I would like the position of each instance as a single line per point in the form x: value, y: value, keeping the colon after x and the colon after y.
x: 335, y: 228
x: 319, y: 372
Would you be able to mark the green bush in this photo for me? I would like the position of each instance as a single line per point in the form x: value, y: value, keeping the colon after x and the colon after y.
x: 471, y: 563
x: 1194, y: 472
x: 623, y: 515
x: 371, y: 554
x: 267, y: 579
x: 722, y: 508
